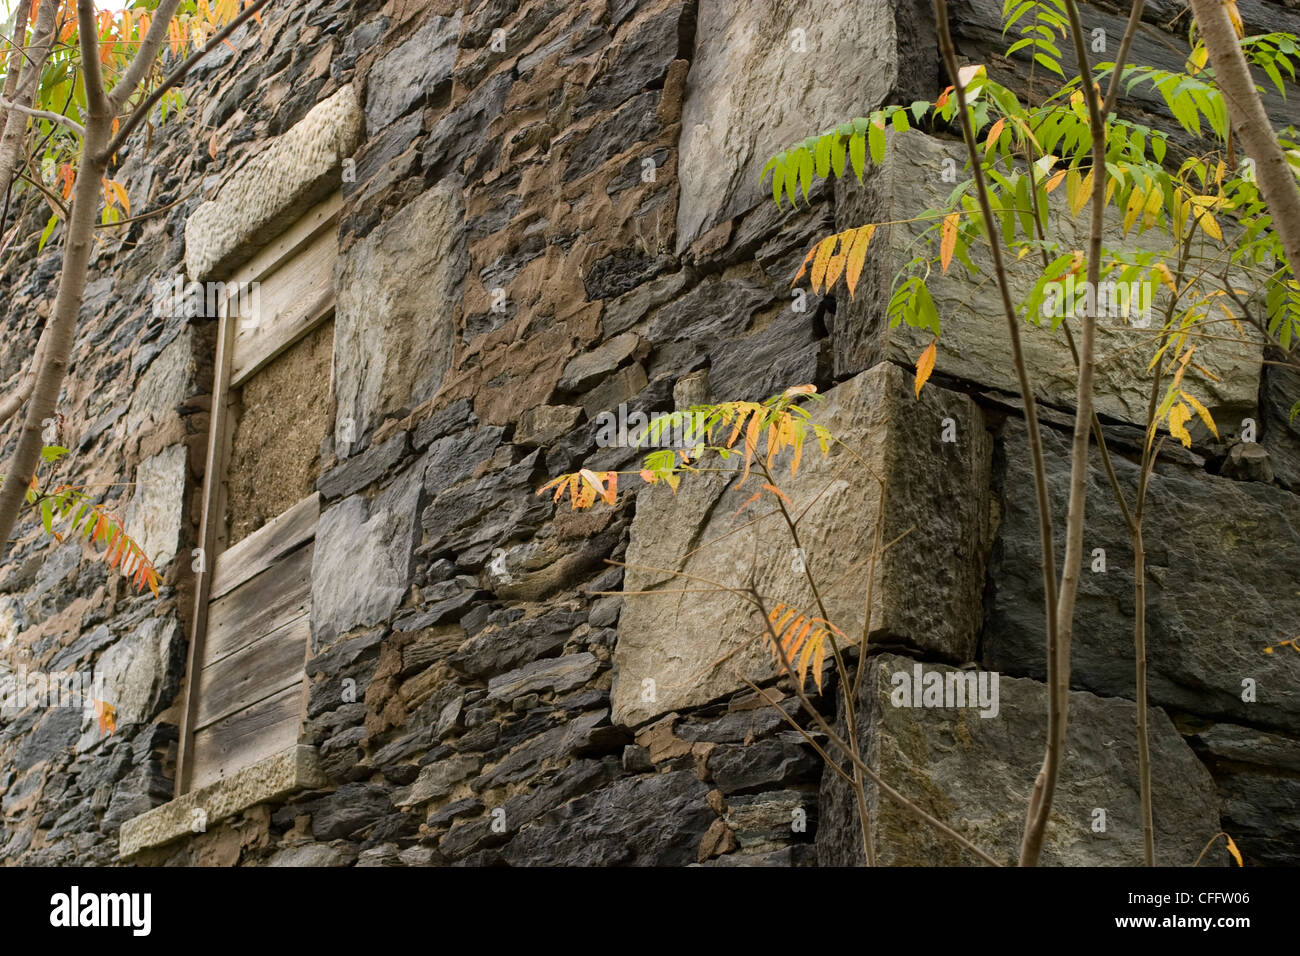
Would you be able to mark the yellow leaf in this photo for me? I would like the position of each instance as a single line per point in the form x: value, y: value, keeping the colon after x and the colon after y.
x: 857, y: 257
x: 1136, y: 200
x: 948, y: 239
x: 1082, y: 196
x: 824, y: 249
x: 1155, y: 200
x: 835, y: 265
x: 1167, y: 277
x: 1232, y: 847
x: 1235, y: 16
x: 1179, y: 416
x: 1202, y: 411
x: 1055, y: 180
x: 1210, y: 227
x: 925, y: 365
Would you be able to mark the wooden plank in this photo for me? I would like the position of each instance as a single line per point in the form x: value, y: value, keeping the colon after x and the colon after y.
x: 265, y: 546
x: 270, y: 600
x: 291, y: 302
x: 211, y: 537
x: 317, y: 219
x: 257, y: 671
x: 247, y: 736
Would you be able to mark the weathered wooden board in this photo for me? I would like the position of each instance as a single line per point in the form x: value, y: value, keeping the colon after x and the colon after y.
x: 291, y: 301
x: 270, y: 600
x: 257, y: 552
x: 246, y: 737
x: 317, y: 219
x: 257, y: 671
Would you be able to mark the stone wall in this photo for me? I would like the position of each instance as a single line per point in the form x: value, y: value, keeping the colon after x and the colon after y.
x: 553, y: 210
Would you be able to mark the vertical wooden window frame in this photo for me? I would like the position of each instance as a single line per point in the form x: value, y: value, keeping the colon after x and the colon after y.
x: 229, y: 375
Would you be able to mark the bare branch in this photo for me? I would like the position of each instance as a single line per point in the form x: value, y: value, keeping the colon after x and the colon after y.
x: 144, y: 55
x: 45, y: 114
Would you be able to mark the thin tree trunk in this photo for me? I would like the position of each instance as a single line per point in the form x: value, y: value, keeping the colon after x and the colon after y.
x: 15, y: 127
x: 1040, y: 804
x: 61, y: 331
x: 1272, y: 172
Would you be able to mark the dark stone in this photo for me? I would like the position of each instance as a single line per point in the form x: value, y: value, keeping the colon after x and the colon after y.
x: 637, y: 121
x: 790, y: 351
x: 457, y: 416
x: 774, y: 763
x: 500, y: 649
x: 454, y: 458
x: 458, y: 808
x: 362, y: 470
x: 411, y: 72
x: 640, y: 62
x: 642, y: 821
x: 352, y: 807
x: 462, y: 133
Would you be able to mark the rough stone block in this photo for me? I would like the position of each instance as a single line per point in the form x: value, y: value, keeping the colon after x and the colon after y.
x: 273, y: 187
x: 158, y: 504
x: 698, y: 647
x: 1221, y: 560
x: 378, y: 536
x: 975, y: 774
x: 764, y: 76
x: 399, y: 291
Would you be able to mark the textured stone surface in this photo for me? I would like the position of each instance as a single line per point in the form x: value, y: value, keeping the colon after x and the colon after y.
x: 411, y: 71
x: 751, y: 93
x: 283, y: 773
x: 273, y: 187
x: 1258, y: 776
x: 395, y: 318
x: 378, y: 536
x: 143, y: 670
x: 157, y: 506
x: 927, y: 589
x: 975, y: 774
x: 642, y: 821
x: 1206, y: 626
x: 974, y: 342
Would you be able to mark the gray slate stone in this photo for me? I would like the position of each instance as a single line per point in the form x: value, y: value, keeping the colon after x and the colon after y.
x: 976, y: 773
x: 641, y: 821
x: 411, y: 71
x: 1221, y: 556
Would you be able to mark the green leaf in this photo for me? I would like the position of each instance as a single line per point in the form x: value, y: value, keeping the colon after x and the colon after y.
x: 1045, y: 61
x: 877, y: 138
x: 47, y: 515
x: 49, y: 231
x: 858, y: 154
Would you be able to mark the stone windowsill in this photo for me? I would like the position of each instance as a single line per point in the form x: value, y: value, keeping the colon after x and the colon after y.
x: 294, y: 768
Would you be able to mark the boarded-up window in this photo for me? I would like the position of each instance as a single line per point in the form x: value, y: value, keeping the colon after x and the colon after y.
x: 272, y: 408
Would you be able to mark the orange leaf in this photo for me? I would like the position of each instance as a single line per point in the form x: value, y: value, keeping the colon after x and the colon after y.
x: 648, y: 476
x: 779, y: 493
x: 992, y: 141
x: 804, y: 268
x: 1232, y: 848
x: 857, y: 257
x: 948, y: 240
x: 758, y: 494
x: 925, y: 365
x: 823, y: 259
